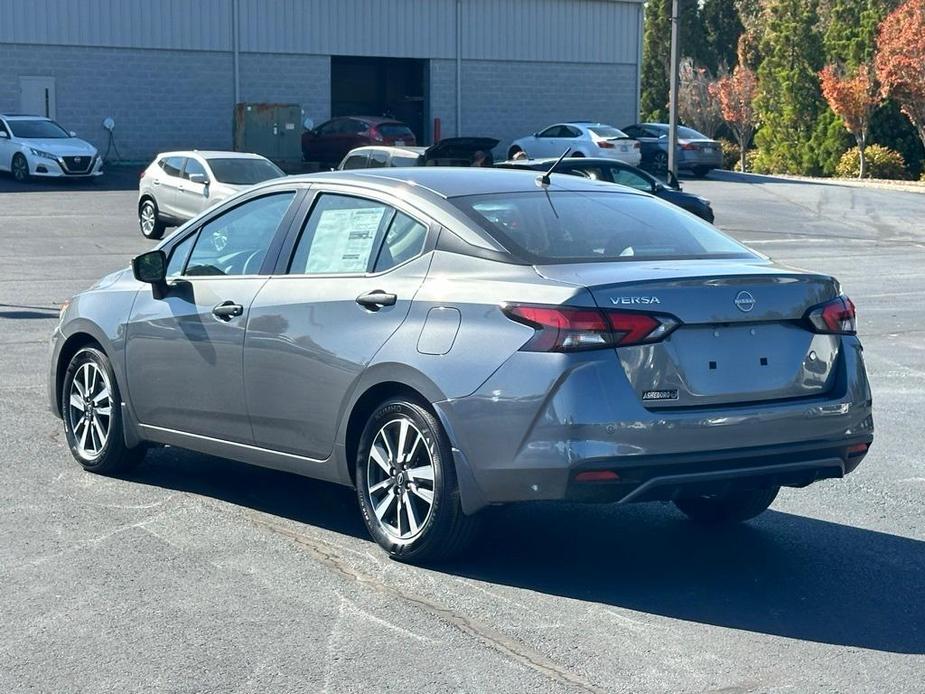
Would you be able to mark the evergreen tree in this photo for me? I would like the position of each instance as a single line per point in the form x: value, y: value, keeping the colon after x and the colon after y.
x: 789, y: 101
x: 656, y: 52
x: 721, y: 31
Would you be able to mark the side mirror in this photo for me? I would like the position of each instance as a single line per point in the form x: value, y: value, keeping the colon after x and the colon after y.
x: 151, y: 268
x: 199, y: 178
x: 72, y: 133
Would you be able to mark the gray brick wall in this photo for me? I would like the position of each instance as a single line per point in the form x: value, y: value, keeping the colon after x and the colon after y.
x: 164, y: 100
x: 290, y: 79
x: 512, y: 99
x: 160, y: 100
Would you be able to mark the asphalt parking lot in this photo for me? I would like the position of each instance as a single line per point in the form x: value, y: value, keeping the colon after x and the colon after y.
x: 198, y: 574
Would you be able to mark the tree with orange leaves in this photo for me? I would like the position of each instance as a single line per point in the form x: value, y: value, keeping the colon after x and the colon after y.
x: 736, y: 94
x: 853, y: 97
x: 900, y: 60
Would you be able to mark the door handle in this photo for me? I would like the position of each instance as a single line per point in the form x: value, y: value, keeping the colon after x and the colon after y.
x: 376, y: 299
x: 227, y: 310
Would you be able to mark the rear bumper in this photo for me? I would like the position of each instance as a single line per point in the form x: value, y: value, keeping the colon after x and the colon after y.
x: 543, y: 418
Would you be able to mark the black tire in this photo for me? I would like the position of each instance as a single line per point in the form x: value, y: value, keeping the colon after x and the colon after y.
x: 733, y: 507
x: 112, y: 456
x: 702, y: 171
x: 19, y: 168
x: 576, y: 155
x: 155, y: 226
x: 659, y: 162
x: 445, y: 531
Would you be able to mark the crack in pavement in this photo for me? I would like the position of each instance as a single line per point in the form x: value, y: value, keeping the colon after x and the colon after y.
x: 497, y: 641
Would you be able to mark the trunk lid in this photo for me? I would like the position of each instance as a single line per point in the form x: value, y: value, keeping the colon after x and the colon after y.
x: 741, y: 338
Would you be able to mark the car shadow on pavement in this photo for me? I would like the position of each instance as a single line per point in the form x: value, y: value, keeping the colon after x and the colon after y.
x: 781, y: 574
x: 313, y: 502
x: 119, y: 177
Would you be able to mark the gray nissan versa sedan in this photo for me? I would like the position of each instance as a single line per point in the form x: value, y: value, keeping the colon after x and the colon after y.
x: 444, y: 339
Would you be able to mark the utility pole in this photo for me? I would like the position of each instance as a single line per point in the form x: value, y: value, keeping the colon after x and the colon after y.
x: 673, y: 89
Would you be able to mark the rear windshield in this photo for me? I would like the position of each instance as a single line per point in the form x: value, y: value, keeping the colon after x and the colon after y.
x: 607, y: 132
x: 569, y: 227
x: 37, y: 129
x: 244, y: 172
x: 690, y: 134
x: 394, y: 130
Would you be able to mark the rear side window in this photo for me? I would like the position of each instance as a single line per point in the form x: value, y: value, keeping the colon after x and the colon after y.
x: 172, y: 166
x: 575, y: 227
x: 341, y: 235
x: 355, y: 161
x: 394, y: 130
x: 404, y: 240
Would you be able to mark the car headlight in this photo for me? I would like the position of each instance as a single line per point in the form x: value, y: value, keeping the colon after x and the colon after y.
x: 42, y: 154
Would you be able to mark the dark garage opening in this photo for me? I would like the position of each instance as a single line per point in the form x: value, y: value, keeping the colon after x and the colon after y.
x: 393, y: 87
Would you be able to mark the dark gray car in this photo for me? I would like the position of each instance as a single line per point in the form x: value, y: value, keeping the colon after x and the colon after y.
x: 445, y: 339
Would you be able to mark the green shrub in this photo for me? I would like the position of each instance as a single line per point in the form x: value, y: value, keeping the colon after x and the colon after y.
x: 752, y: 162
x: 730, y: 153
x: 882, y: 162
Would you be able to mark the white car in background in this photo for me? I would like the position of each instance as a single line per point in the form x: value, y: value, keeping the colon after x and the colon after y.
x: 177, y: 186
x: 582, y: 139
x: 36, y: 146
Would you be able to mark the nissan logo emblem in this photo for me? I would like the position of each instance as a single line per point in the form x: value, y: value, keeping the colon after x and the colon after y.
x: 745, y: 302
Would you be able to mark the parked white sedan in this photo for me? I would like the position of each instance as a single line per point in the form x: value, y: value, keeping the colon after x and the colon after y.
x: 582, y: 139
x: 33, y: 146
x: 179, y: 185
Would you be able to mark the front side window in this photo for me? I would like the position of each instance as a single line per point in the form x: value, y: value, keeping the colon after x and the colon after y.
x: 576, y: 227
x: 193, y: 167
x: 340, y: 236
x: 552, y: 131
x: 178, y: 256
x: 236, y: 242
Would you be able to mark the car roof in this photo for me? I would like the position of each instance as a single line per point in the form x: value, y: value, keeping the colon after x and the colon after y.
x: 210, y: 154
x: 413, y: 151
x: 372, y: 120
x: 454, y: 181
x: 574, y: 161
x: 22, y: 116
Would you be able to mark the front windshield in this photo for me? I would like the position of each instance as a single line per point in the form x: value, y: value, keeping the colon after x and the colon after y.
x: 37, y: 129
x: 243, y: 172
x: 572, y: 227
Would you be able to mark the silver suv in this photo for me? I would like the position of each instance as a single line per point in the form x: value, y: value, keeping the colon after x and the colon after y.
x: 179, y: 185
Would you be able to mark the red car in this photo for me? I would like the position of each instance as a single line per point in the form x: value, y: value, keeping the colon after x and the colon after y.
x: 330, y: 141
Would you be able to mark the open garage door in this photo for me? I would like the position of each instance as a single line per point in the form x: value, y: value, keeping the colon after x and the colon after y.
x: 393, y: 87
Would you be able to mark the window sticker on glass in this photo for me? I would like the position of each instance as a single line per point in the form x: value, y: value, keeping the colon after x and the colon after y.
x: 343, y: 240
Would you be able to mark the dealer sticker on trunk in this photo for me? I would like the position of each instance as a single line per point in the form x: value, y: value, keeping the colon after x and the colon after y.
x: 660, y: 395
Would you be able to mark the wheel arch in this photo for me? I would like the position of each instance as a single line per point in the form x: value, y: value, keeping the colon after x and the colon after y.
x: 71, y: 346
x: 389, y: 380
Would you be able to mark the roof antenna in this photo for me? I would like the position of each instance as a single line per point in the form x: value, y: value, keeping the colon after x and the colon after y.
x: 544, y: 179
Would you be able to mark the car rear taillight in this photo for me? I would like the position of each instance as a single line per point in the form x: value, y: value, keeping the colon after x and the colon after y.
x: 375, y: 135
x: 688, y: 145
x: 605, y: 144
x: 570, y: 329
x: 636, y: 145
x: 142, y: 173
x: 835, y: 317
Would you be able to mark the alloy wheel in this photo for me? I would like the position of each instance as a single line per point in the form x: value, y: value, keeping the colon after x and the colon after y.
x: 90, y: 410
x: 20, y: 169
x: 148, y: 219
x: 400, y: 478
